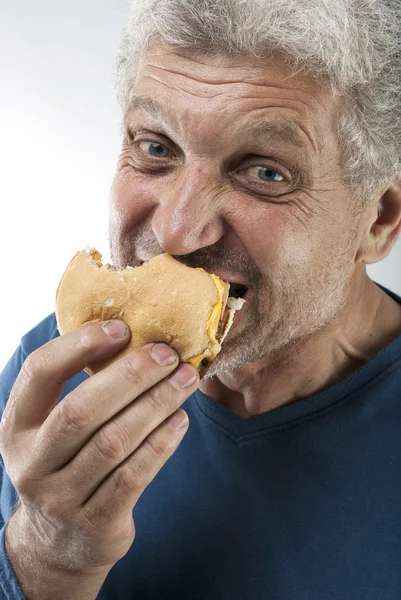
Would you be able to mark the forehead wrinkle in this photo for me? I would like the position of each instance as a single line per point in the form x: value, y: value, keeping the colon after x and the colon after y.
x: 282, y: 129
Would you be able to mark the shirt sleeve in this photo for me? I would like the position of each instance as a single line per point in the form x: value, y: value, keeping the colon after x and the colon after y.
x: 9, y: 586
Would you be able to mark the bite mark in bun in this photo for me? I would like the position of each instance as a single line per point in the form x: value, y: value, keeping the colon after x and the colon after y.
x: 161, y: 301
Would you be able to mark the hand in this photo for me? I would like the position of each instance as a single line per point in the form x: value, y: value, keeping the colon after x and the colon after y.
x: 80, y: 466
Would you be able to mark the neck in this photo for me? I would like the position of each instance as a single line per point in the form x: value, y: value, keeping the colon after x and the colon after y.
x: 369, y: 321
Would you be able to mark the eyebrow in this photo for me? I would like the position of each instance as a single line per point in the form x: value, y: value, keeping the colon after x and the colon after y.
x: 281, y: 129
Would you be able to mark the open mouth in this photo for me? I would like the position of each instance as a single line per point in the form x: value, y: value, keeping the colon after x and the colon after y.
x: 237, y: 290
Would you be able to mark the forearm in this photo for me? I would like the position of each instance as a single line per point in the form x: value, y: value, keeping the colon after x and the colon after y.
x: 38, y: 579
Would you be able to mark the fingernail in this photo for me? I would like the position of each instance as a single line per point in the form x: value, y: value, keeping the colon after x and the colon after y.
x: 163, y: 354
x: 183, y: 377
x: 115, y: 329
x: 178, y: 420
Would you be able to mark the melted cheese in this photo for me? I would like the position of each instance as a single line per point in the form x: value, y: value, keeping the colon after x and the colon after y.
x: 96, y: 256
x: 212, y: 325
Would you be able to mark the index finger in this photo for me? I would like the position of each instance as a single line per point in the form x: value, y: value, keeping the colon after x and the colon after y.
x: 39, y: 384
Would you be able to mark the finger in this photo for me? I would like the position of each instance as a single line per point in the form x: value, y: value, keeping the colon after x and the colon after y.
x: 121, y: 490
x: 120, y: 437
x: 39, y: 384
x: 98, y: 399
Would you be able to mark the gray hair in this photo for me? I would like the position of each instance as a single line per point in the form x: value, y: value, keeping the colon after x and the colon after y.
x: 355, y: 45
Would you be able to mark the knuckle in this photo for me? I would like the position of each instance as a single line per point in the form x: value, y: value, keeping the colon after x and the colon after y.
x: 34, y: 364
x: 157, y: 447
x: 123, y: 531
x: 160, y: 399
x: 21, y: 483
x: 112, y: 442
x: 129, y: 478
x: 131, y: 370
x: 26, y: 485
x: 77, y: 414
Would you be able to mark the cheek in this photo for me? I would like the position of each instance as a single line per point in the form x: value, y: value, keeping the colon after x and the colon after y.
x: 306, y: 253
x: 296, y: 250
x: 275, y: 243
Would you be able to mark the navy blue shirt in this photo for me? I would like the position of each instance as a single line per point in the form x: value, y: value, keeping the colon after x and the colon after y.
x: 299, y: 503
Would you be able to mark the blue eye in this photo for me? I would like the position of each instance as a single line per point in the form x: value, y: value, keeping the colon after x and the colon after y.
x: 155, y: 149
x: 267, y: 174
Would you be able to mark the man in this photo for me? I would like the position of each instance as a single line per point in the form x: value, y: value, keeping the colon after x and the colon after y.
x: 261, y: 140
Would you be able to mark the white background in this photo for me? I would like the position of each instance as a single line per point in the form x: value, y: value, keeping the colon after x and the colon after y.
x: 59, y: 143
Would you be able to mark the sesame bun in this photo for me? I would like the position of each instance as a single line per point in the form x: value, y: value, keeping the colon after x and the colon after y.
x: 161, y: 301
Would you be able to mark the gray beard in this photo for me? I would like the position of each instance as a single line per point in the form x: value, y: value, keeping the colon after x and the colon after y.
x: 277, y: 339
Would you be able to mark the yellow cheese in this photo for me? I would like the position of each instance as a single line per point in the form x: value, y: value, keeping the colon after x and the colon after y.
x: 97, y: 257
x: 196, y: 360
x: 212, y: 325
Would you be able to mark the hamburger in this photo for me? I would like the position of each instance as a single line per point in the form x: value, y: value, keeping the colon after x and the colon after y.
x: 161, y: 301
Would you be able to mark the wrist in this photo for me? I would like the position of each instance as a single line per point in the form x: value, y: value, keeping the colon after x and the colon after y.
x: 38, y: 574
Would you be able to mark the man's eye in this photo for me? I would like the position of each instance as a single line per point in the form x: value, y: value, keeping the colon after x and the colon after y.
x: 154, y: 149
x: 266, y: 174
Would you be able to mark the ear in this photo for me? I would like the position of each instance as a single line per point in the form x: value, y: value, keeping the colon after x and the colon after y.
x: 383, y: 226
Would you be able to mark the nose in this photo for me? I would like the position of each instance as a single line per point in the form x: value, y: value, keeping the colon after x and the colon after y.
x: 188, y: 215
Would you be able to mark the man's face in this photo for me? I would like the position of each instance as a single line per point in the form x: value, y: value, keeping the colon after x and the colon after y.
x: 233, y: 165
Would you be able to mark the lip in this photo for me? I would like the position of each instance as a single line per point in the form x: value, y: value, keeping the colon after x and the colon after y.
x: 227, y: 278
x: 232, y: 279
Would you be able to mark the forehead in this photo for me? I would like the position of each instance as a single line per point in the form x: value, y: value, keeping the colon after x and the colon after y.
x: 279, y: 127
x: 253, y: 95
